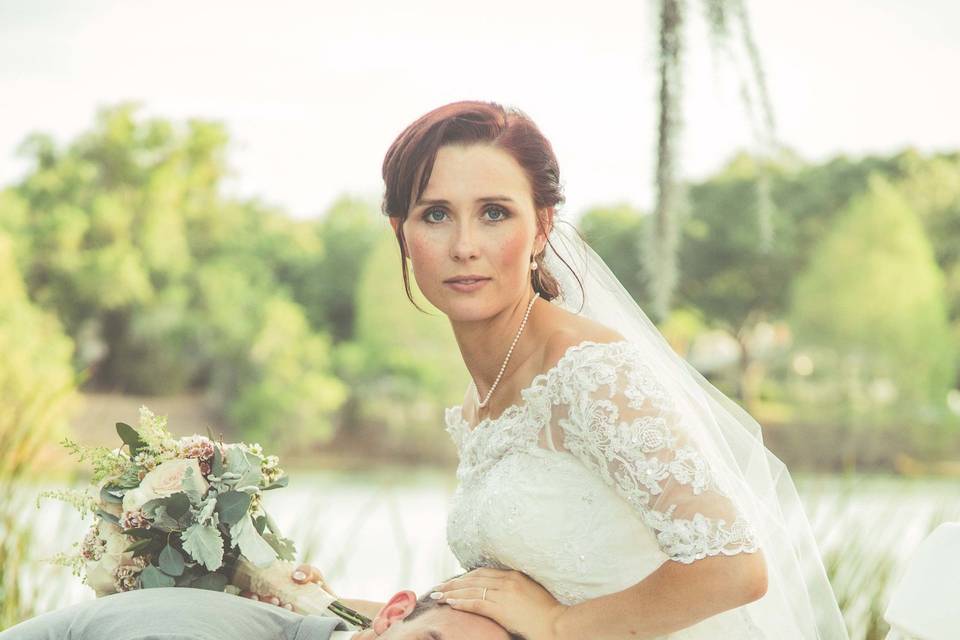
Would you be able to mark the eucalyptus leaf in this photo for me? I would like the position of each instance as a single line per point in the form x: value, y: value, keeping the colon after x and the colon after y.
x: 151, y: 578
x: 279, y: 483
x: 171, y: 561
x: 138, y: 545
x: 211, y: 581
x: 107, y: 495
x: 140, y: 533
x: 232, y: 506
x: 252, y: 545
x: 109, y: 517
x: 150, y: 505
x: 217, y: 467
x: 177, y: 505
x: 130, y: 437
x: 162, y: 521
x: 187, y: 577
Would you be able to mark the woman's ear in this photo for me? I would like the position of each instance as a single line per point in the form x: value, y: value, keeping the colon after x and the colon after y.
x: 396, y: 223
x: 546, y: 226
x: 396, y: 610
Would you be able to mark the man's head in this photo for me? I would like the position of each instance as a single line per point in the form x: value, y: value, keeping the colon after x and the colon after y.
x: 406, y: 617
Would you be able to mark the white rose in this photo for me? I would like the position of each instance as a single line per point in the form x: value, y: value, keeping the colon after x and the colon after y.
x: 100, y: 572
x: 165, y: 480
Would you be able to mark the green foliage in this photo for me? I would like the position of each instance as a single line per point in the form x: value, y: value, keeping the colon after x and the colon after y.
x: 203, y: 542
x: 285, y: 387
x: 405, y: 364
x: 328, y: 285
x: 615, y: 233
x: 37, y: 388
x: 873, y: 300
x: 166, y: 285
x: 37, y: 384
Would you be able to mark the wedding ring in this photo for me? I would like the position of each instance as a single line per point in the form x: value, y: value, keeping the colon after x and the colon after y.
x: 484, y: 596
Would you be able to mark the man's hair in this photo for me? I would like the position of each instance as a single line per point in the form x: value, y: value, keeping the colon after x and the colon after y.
x: 426, y: 603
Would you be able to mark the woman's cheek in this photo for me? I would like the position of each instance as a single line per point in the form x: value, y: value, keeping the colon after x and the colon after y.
x: 513, y: 253
x: 425, y: 262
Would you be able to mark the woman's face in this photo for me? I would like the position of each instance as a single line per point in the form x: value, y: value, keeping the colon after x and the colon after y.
x: 475, y: 217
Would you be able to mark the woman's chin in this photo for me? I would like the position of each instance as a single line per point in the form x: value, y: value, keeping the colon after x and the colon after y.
x: 466, y: 309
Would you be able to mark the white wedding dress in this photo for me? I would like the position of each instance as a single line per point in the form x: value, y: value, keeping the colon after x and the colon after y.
x: 590, y: 483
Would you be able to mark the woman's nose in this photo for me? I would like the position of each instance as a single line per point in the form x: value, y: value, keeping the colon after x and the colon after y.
x: 464, y: 244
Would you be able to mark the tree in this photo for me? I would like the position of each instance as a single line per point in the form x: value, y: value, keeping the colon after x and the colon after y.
x: 614, y: 232
x: 408, y: 359
x: 871, y: 309
x: 348, y: 231
x: 37, y: 383
x: 661, y: 242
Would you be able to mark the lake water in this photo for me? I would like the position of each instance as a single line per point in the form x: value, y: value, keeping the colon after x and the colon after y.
x: 373, y: 534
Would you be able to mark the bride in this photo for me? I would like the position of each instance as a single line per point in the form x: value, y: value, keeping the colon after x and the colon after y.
x: 605, y: 489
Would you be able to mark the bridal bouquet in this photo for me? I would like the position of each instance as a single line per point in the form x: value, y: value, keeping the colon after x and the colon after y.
x: 186, y: 512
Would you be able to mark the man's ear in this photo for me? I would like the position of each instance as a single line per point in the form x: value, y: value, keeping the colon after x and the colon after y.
x: 396, y: 610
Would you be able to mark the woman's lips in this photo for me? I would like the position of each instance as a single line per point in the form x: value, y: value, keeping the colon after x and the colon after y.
x: 467, y: 287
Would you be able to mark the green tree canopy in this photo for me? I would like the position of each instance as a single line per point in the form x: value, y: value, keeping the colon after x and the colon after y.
x: 874, y: 296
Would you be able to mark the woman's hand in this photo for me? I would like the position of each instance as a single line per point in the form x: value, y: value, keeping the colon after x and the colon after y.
x: 513, y: 600
x: 303, y: 574
x: 268, y: 598
x: 306, y: 573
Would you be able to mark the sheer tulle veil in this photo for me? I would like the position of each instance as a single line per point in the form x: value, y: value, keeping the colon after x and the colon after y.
x: 799, y: 602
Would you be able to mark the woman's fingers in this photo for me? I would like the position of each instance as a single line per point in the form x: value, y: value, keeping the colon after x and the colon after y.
x: 307, y: 573
x: 266, y: 597
x: 465, y: 582
x: 303, y: 574
x: 466, y: 593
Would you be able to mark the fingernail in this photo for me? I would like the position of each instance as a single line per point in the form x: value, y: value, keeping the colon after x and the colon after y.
x: 254, y: 597
x: 288, y: 606
x: 453, y: 602
x: 436, y: 595
x: 299, y: 575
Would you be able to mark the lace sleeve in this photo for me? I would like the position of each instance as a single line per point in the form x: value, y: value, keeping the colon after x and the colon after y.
x: 621, y: 423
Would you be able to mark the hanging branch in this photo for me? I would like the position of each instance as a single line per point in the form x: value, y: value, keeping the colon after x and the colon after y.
x: 661, y: 236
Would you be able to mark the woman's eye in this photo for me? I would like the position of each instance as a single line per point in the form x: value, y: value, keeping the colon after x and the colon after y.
x: 502, y: 212
x: 429, y: 217
x: 426, y: 216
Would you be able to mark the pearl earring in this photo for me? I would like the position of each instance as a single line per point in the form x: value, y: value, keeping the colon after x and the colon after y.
x: 533, y: 264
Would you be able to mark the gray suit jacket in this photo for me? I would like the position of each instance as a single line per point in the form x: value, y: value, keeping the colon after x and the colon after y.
x: 174, y: 613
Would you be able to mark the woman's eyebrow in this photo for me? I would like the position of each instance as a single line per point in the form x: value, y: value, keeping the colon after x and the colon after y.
x: 434, y: 635
x: 484, y: 199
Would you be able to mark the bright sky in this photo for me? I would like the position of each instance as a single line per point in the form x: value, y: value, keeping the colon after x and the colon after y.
x: 314, y: 92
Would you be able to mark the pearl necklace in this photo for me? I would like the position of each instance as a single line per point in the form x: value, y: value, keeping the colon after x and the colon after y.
x: 507, y: 359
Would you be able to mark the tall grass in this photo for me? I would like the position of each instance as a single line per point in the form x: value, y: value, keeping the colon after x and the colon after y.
x: 867, y: 529
x: 26, y: 425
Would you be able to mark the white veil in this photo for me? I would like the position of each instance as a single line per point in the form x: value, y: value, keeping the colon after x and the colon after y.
x: 799, y: 602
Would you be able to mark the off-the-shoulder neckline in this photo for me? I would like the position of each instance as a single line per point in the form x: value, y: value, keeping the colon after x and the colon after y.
x: 537, y: 380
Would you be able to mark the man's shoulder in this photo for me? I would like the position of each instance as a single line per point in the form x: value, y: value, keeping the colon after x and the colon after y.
x: 173, y: 613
